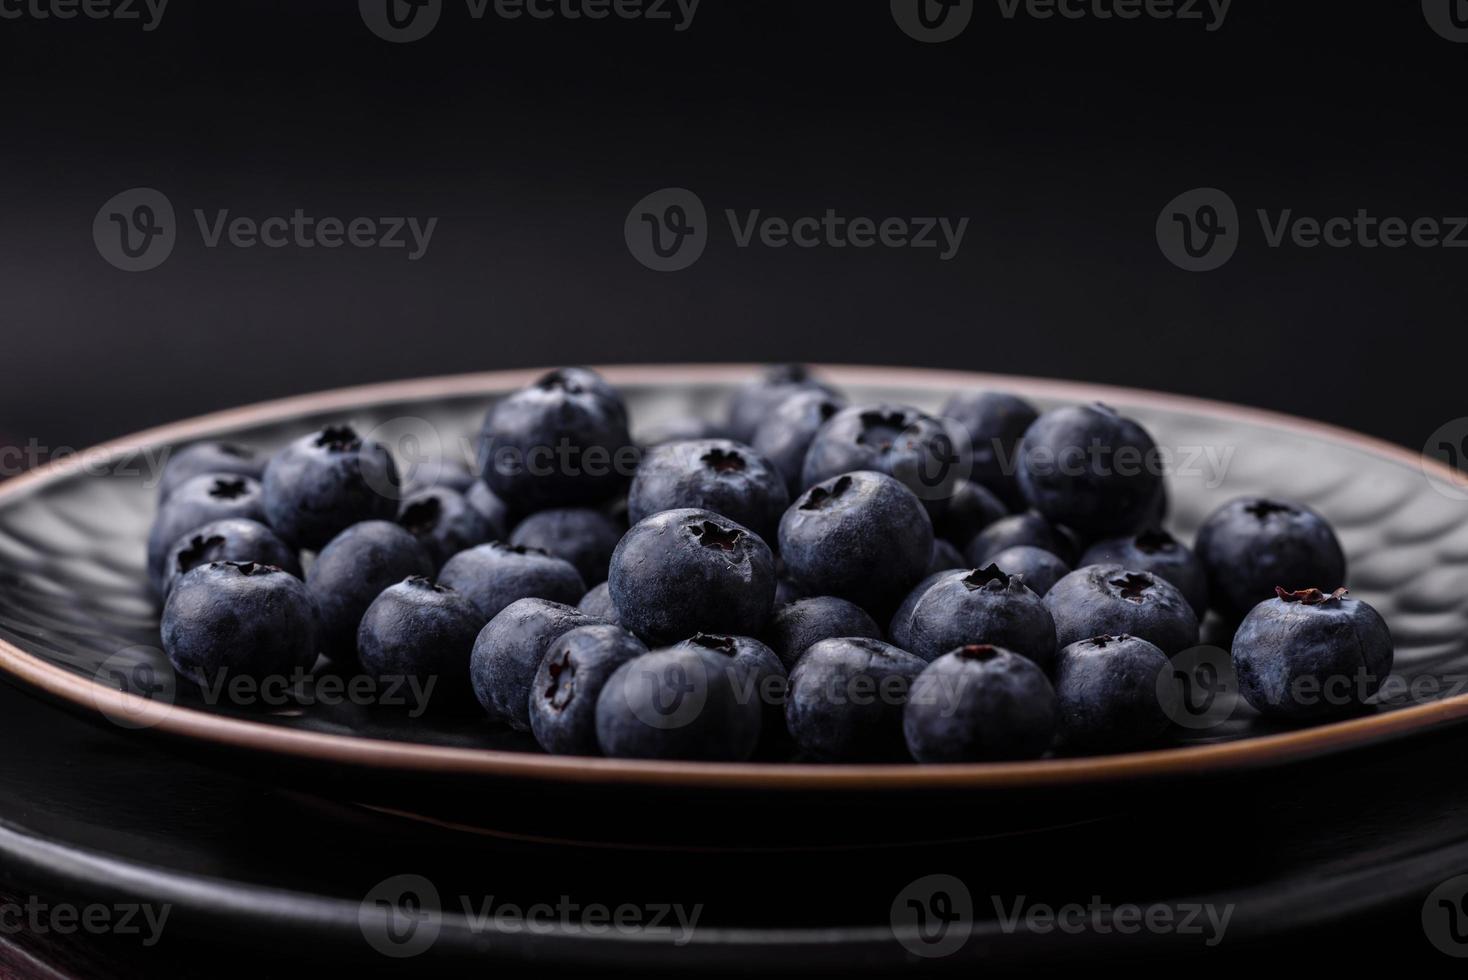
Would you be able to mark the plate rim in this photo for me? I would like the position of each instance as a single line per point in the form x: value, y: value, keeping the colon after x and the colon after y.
x: 383, y: 754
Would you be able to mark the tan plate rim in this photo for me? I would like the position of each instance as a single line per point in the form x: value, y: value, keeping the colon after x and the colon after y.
x: 413, y: 757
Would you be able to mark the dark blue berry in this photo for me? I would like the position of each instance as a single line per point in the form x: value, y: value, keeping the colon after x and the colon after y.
x: 760, y: 676
x: 754, y: 401
x: 416, y: 629
x: 560, y: 442
x: 1039, y: 568
x: 443, y: 522
x: 979, y: 703
x: 229, y: 539
x: 684, y: 702
x: 239, y: 619
x: 1160, y: 553
x: 1311, y: 654
x: 796, y: 625
x: 508, y: 653
x: 902, y: 442
x: 581, y: 535
x: 597, y: 603
x: 787, y: 431
x: 1252, y: 545
x: 352, y: 570
x: 995, y: 422
x: 323, y: 483
x: 1112, y: 600
x: 897, y: 627
x: 1108, y: 692
x: 198, y: 501
x: 571, y: 675
x: 861, y: 536
x: 1090, y: 469
x: 972, y: 508
x: 846, y: 697
x: 210, y: 457
x: 682, y: 571
x: 728, y: 478
x: 979, y: 606
x: 1028, y: 528
x: 496, y: 574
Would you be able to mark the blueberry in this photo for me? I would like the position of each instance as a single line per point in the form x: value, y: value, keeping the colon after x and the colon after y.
x: 945, y: 557
x: 787, y: 431
x: 760, y: 676
x: 898, y: 631
x: 239, y: 619
x: 681, y: 429
x: 1113, y: 600
x: 581, y: 535
x: 1310, y: 654
x: 496, y: 574
x: 1108, y: 693
x: 1028, y: 528
x: 979, y: 703
x: 443, y: 522
x: 972, y: 508
x: 229, y: 539
x: 198, y: 501
x: 846, y: 697
x: 728, y: 478
x: 682, y: 571
x: 508, y: 653
x: 902, y: 442
x: 571, y: 674
x: 796, y: 625
x: 210, y: 457
x: 323, y: 483
x: 560, y: 442
x: 1090, y: 469
x: 597, y: 603
x: 490, y: 507
x: 585, y: 379
x: 680, y: 703
x: 352, y: 570
x: 995, y: 422
x: 1160, y: 553
x: 860, y: 536
x: 979, y: 606
x: 754, y: 401
x: 416, y: 629
x: 1252, y: 545
x: 1039, y: 568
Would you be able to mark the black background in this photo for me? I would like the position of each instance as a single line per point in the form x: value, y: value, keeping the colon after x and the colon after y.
x: 1060, y: 140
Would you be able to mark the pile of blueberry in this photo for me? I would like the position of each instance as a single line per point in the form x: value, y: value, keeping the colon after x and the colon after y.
x: 806, y: 579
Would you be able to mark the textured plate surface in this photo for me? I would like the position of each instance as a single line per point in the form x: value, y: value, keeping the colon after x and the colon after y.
x: 76, y: 618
